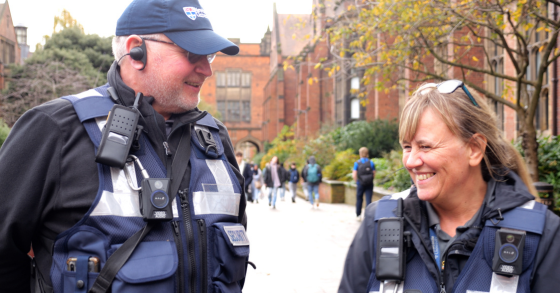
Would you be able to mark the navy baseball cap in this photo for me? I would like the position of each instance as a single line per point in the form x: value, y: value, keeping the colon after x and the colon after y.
x: 182, y: 21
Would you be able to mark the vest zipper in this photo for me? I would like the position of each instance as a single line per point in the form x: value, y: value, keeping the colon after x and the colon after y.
x: 181, y: 256
x: 190, y: 238
x: 440, y: 278
x: 203, y: 254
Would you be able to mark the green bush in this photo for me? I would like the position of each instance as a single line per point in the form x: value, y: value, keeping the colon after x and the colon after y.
x: 341, y: 167
x: 549, y: 161
x: 379, y: 136
x: 4, y: 131
x: 391, y: 174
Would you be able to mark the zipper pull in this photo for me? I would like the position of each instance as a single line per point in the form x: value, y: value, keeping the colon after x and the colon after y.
x: 183, y: 193
x: 201, y: 226
x: 175, y: 227
x: 167, y: 150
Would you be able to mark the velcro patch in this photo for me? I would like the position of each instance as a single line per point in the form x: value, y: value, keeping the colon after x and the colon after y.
x: 236, y: 235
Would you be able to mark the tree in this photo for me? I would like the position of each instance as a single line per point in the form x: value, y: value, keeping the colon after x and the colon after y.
x: 69, y: 63
x: 435, y: 40
x: 34, y: 84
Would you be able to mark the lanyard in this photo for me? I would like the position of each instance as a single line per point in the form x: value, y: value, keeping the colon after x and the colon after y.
x: 435, y: 247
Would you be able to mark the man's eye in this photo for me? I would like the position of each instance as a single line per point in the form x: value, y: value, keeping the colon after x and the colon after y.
x: 424, y: 147
x: 406, y: 147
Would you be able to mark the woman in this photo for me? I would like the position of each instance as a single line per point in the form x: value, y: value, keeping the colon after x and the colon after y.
x: 257, y: 182
x: 470, y: 185
x: 272, y: 180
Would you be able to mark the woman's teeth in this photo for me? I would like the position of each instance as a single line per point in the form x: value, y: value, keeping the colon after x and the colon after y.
x: 424, y: 176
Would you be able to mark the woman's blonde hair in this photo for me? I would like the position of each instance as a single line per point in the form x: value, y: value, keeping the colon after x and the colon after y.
x: 464, y: 119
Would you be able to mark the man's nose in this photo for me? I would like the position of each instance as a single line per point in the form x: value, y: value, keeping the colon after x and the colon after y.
x: 203, y: 67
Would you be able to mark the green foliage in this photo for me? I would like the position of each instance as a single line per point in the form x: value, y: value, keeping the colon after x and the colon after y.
x: 379, y: 136
x: 90, y: 54
x: 282, y: 146
x: 4, y: 131
x: 341, y: 167
x: 391, y: 174
x: 549, y: 161
x: 258, y: 158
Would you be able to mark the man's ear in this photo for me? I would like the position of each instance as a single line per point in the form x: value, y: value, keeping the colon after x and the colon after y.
x: 477, y: 146
x: 132, y: 42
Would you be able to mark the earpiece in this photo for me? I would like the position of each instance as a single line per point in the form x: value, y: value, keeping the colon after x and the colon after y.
x: 139, y: 54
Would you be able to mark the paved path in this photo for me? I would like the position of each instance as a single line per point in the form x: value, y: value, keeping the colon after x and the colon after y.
x: 296, y: 248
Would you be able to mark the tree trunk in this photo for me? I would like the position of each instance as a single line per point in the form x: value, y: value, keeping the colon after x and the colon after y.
x: 529, y: 145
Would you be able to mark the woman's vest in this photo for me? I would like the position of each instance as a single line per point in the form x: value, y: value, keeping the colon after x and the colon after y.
x: 202, y: 249
x: 477, y: 275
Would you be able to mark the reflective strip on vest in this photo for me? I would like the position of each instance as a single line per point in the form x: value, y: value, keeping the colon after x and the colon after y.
x: 219, y: 198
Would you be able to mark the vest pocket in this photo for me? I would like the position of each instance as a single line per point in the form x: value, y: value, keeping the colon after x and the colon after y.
x: 150, y: 268
x: 72, y: 285
x: 231, y: 248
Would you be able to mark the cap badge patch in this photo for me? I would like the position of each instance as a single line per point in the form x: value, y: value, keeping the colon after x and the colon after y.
x: 193, y: 12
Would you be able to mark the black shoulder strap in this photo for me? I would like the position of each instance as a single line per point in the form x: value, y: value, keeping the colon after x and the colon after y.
x: 117, y: 260
x: 120, y: 256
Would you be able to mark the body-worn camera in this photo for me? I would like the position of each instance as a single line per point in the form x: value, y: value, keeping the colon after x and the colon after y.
x: 508, y: 252
x: 155, y: 203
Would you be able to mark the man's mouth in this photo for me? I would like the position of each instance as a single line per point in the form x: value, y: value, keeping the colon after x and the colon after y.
x: 195, y: 84
x: 424, y: 176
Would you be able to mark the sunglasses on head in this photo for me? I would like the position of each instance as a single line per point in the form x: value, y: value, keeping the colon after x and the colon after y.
x: 192, y: 57
x: 450, y: 86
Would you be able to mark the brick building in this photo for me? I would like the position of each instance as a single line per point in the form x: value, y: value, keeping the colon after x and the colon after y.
x: 9, y: 48
x: 236, y: 89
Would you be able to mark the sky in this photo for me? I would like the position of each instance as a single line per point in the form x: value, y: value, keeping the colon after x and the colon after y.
x: 245, y: 19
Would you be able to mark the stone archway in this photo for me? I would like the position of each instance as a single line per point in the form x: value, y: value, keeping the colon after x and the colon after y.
x: 249, y: 146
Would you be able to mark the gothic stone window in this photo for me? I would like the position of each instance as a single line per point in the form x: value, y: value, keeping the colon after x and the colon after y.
x: 233, y: 95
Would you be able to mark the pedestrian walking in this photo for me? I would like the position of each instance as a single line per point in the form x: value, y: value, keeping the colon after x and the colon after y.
x: 363, y: 173
x: 312, y: 175
x: 245, y: 170
x: 284, y: 176
x: 273, y: 181
x: 293, y: 180
x: 304, y: 182
x: 257, y: 183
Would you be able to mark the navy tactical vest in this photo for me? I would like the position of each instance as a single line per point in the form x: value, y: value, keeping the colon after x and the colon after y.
x: 203, y: 249
x: 477, y: 275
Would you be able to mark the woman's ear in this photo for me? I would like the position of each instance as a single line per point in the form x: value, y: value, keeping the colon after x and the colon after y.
x: 477, y: 146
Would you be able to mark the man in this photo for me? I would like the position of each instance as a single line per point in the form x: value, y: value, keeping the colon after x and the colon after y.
x: 312, y: 174
x: 86, y: 219
x: 246, y: 172
x: 363, y: 173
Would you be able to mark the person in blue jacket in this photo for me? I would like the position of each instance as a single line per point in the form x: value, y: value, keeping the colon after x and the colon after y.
x: 471, y: 186
x: 293, y: 180
x: 363, y: 174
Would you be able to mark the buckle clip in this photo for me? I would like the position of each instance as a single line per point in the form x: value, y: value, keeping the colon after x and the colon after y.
x: 206, y: 139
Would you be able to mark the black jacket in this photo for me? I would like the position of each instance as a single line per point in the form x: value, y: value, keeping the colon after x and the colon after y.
x: 508, y: 194
x: 267, y: 175
x: 49, y: 178
x: 248, y: 175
